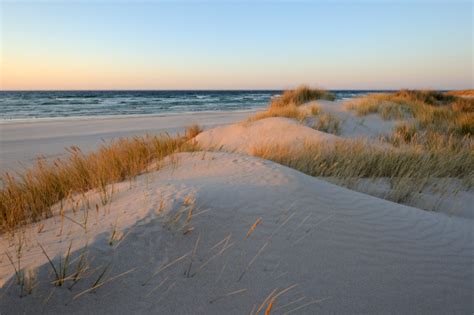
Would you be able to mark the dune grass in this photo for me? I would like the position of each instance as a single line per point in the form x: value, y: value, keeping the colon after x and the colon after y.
x: 357, y: 158
x: 287, y: 105
x: 192, y: 131
x: 432, y: 141
x: 301, y: 95
x: 436, y: 119
x: 347, y: 161
x: 289, y: 111
x: 327, y: 122
x: 316, y: 109
x: 461, y: 92
x: 381, y: 104
x: 30, y: 196
x: 430, y: 109
x: 463, y: 105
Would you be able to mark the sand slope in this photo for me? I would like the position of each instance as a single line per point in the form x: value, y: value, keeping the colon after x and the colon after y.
x: 245, y: 136
x: 345, y: 252
x: 370, y: 126
x: 444, y: 195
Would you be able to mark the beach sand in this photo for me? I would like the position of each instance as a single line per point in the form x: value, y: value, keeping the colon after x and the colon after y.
x: 22, y: 142
x: 229, y: 233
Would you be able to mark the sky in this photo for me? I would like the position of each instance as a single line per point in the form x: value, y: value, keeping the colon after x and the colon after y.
x: 87, y: 45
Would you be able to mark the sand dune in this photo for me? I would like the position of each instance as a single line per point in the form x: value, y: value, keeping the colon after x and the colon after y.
x: 371, y: 126
x: 332, y: 249
x: 243, y: 137
x: 450, y: 197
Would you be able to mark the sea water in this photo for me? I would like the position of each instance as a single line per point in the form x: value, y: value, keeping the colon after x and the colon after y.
x: 34, y: 105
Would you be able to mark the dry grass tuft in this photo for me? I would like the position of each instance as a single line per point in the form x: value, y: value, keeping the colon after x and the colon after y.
x: 289, y: 111
x: 327, y: 122
x: 378, y: 104
x: 29, y: 196
x: 425, y: 96
x: 461, y: 93
x: 463, y: 105
x: 404, y: 133
x: 301, y: 95
x: 316, y: 110
x: 287, y: 105
x: 192, y: 131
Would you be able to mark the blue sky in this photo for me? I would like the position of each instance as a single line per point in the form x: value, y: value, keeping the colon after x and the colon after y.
x: 235, y: 45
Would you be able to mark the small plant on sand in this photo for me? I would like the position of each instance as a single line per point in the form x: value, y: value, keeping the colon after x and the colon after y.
x: 182, y: 218
x: 81, y: 267
x: 19, y: 273
x: 102, y: 280
x: 26, y: 280
x: 61, y: 271
x: 31, y: 281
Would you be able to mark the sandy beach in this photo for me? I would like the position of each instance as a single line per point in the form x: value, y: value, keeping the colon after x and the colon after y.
x: 22, y: 142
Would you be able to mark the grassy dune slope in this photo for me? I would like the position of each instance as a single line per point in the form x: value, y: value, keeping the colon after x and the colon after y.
x: 29, y: 196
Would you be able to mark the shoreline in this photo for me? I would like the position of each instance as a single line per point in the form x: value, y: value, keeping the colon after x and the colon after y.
x: 22, y: 142
x: 7, y: 121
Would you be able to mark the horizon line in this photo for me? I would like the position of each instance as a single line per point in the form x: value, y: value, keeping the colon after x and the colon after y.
x: 222, y: 90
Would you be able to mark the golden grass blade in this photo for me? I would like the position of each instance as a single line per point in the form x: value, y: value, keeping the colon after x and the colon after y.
x: 253, y: 260
x: 266, y: 300
x: 227, y: 295
x: 166, y: 267
x: 306, y: 305
x: 252, y: 228
x: 98, y: 285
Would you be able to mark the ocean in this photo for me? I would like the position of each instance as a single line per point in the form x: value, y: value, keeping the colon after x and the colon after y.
x: 41, y: 105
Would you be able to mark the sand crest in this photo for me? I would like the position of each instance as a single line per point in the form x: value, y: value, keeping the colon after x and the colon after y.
x: 245, y: 136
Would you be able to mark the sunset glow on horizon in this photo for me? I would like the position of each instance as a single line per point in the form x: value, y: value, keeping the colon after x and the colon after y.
x: 211, y: 45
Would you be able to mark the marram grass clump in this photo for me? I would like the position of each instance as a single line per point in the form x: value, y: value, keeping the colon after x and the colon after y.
x: 347, y: 161
x: 288, y: 104
x: 301, y: 95
x: 289, y: 111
